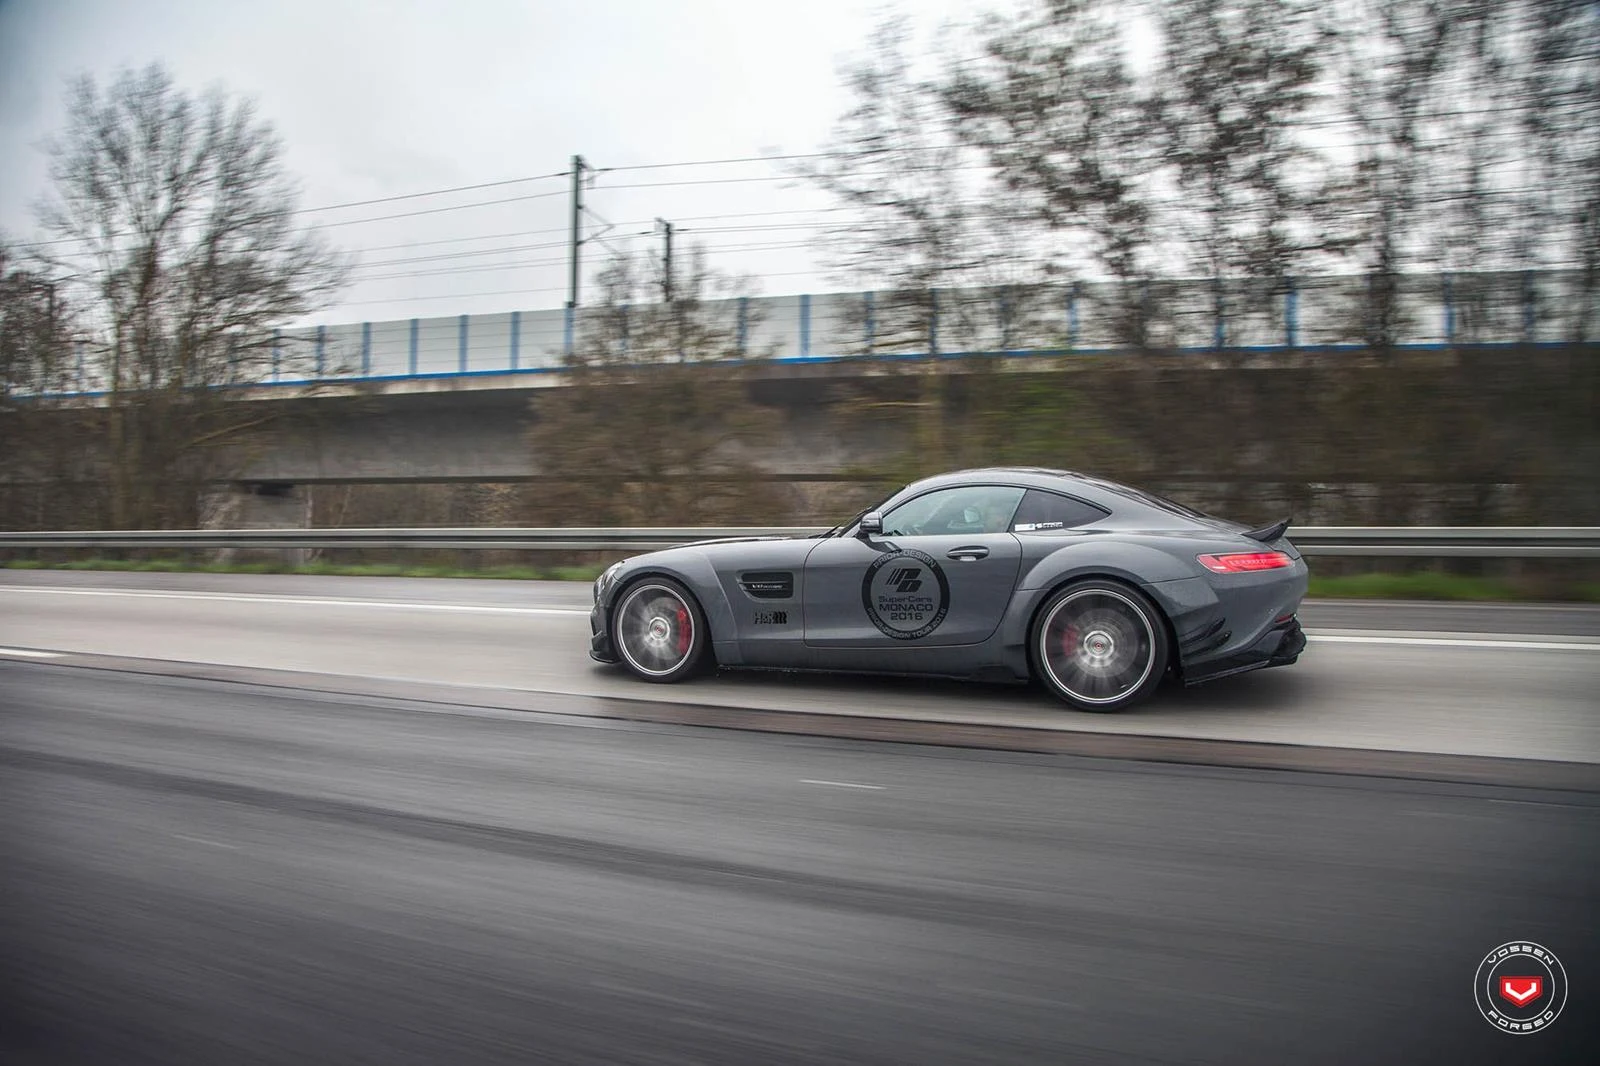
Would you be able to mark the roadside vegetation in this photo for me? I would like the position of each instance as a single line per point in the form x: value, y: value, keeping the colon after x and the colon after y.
x: 319, y: 567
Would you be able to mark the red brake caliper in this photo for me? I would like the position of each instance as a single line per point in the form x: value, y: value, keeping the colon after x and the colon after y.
x: 684, y: 633
x: 1069, y: 641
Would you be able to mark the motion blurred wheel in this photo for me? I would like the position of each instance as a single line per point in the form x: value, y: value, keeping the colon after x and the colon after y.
x: 1099, y: 646
x: 659, y: 630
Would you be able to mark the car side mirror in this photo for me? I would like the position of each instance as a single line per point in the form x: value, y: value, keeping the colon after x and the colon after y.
x: 871, y: 524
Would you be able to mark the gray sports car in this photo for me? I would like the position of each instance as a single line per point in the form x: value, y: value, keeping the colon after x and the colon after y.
x: 1095, y: 589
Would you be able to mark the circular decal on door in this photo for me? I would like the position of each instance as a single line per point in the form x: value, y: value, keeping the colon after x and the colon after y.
x: 905, y: 594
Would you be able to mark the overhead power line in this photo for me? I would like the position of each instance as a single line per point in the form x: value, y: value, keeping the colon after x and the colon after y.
x: 341, y: 222
x: 523, y: 264
x: 463, y: 255
x: 440, y: 210
x: 430, y: 192
x: 714, y: 162
x: 451, y: 271
x: 621, y: 225
x: 462, y: 240
x: 526, y: 292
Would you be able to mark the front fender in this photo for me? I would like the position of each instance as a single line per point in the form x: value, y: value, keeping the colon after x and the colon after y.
x: 694, y: 570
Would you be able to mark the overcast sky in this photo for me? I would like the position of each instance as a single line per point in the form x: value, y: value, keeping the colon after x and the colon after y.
x: 378, y: 98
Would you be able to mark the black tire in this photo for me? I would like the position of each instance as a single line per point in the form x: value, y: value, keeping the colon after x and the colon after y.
x: 659, y: 630
x: 1099, y: 645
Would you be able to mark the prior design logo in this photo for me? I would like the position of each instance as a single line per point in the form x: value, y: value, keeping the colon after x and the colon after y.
x: 906, y: 594
x: 1520, y: 987
x: 906, y: 579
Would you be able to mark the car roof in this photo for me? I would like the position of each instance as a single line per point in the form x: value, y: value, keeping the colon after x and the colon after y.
x: 1030, y: 476
x: 1110, y: 495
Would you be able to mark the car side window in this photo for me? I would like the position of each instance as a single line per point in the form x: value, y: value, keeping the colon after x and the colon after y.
x: 966, y: 509
x: 1043, y: 511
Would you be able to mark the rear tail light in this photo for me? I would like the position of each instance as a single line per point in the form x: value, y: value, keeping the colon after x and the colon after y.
x: 1245, y: 562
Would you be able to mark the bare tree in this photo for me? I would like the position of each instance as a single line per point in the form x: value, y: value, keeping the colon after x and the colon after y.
x: 644, y: 432
x: 1558, y: 83
x: 1237, y: 79
x: 926, y: 227
x: 1054, y: 106
x: 173, y: 222
x: 42, y: 461
x: 33, y: 333
x: 1393, y: 58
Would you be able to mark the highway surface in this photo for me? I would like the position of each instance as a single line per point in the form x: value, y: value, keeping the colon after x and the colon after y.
x: 1473, y: 681
x: 202, y: 872
x: 305, y: 820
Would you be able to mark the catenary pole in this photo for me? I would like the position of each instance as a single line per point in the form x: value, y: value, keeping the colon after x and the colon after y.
x: 574, y: 250
x: 666, y: 265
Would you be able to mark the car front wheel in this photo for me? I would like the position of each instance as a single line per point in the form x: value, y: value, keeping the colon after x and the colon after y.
x: 1099, y: 645
x: 659, y: 630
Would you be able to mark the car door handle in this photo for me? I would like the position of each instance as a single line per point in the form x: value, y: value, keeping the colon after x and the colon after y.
x: 967, y: 554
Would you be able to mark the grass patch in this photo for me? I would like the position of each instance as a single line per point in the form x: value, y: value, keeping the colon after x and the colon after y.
x: 320, y: 568
x: 1436, y: 586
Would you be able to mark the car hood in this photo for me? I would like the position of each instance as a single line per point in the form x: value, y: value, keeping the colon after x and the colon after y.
x: 729, y: 540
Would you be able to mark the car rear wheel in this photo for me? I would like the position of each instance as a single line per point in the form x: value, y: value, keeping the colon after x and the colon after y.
x: 1099, y: 645
x: 659, y: 630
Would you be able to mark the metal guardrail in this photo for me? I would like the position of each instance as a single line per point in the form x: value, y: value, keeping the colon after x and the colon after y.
x: 1487, y: 542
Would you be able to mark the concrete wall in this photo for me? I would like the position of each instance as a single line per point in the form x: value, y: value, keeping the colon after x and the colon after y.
x: 1506, y: 437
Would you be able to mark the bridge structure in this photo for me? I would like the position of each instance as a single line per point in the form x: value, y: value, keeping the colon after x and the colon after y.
x: 1320, y: 314
x: 451, y: 398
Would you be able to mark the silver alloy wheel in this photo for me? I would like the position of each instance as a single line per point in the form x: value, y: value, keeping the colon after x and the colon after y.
x: 655, y: 629
x: 1098, y: 646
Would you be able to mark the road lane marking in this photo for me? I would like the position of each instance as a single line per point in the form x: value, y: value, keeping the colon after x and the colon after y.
x: 1544, y: 803
x: 202, y: 840
x: 31, y: 654
x: 299, y: 601
x: 1397, y: 638
x: 1462, y: 640
x: 842, y: 784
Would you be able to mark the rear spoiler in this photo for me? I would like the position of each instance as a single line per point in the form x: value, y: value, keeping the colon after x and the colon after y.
x: 1268, y: 534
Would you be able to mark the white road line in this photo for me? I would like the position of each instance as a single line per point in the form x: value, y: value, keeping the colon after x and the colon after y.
x: 29, y: 653
x: 842, y: 784
x: 202, y: 840
x: 297, y: 601
x: 1543, y: 803
x: 1463, y: 640
x: 1397, y: 638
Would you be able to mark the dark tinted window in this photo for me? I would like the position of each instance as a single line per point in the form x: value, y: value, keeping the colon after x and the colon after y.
x: 1146, y: 497
x: 1045, y: 510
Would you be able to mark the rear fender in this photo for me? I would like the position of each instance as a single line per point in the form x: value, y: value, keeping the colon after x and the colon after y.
x: 1137, y: 564
x: 1133, y: 564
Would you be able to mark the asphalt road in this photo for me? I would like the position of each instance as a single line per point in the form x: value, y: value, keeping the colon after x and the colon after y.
x: 1476, y: 681
x: 196, y: 872
x: 1576, y: 620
